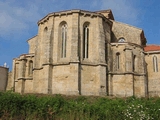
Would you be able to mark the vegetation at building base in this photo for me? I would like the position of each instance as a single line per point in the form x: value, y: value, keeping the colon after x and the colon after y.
x: 14, y: 106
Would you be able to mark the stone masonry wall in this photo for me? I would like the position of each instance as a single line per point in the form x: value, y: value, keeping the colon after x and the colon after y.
x: 153, y: 76
x: 128, y: 76
x: 3, y: 78
x: 129, y: 33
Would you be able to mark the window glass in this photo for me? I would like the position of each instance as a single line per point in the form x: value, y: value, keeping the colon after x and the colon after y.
x: 121, y: 40
x: 155, y: 64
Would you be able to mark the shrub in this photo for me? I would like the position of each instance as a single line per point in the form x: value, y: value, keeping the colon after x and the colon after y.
x: 45, y: 107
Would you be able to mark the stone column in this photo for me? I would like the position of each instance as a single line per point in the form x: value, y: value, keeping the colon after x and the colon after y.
x: 45, y: 84
x: 101, y: 41
x: 101, y: 56
x: 11, y: 82
x: 145, y: 75
x: 128, y: 58
x: 140, y: 84
x: 74, y: 58
x: 75, y: 38
x: 110, y: 85
x: 129, y: 81
x: 102, y: 82
x: 47, y: 42
x: 37, y: 62
x: 75, y: 87
x: 20, y: 87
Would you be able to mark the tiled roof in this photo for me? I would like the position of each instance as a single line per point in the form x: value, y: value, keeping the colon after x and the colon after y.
x: 151, y: 48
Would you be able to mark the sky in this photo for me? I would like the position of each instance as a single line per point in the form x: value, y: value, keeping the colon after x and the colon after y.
x: 18, y: 19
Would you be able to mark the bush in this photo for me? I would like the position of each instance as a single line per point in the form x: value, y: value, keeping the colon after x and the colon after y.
x: 44, y: 107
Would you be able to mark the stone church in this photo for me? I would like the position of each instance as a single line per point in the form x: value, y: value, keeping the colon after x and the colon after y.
x: 78, y: 52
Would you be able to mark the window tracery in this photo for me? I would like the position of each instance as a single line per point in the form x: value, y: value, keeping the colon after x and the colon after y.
x: 85, y: 40
x: 63, y: 36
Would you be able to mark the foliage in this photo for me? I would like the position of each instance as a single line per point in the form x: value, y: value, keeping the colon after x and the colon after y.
x: 14, y: 106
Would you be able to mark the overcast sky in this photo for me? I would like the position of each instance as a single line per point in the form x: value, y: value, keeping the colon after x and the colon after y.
x: 18, y: 19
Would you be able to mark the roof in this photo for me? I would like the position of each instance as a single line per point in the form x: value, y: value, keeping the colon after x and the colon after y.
x: 135, y: 31
x: 107, y: 13
x: 31, y: 38
x: 152, y: 48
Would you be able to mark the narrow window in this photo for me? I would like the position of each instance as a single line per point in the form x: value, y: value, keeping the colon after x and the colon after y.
x: 134, y: 62
x: 45, y: 33
x: 30, y: 67
x: 118, y: 60
x: 44, y: 43
x: 85, y: 40
x: 45, y: 29
x: 64, y: 39
x: 155, y: 64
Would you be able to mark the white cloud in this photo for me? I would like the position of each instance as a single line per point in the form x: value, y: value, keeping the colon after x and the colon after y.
x: 8, y: 23
x: 20, y: 16
x: 123, y: 10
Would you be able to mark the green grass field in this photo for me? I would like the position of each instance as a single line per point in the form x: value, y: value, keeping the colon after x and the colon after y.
x: 14, y: 106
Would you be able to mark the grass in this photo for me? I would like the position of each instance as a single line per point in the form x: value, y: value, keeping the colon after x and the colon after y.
x: 14, y: 106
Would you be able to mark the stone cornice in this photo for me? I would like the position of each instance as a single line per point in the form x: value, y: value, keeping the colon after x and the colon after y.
x: 24, y: 56
x: 68, y: 63
x: 70, y: 12
x: 124, y: 73
x: 25, y: 78
x: 3, y: 67
x: 126, y: 43
x: 152, y: 52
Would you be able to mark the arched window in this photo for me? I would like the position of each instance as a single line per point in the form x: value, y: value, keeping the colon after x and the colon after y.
x: 121, y: 40
x: 155, y: 64
x: 63, y: 39
x: 85, y: 40
x: 118, y: 60
x: 45, y: 29
x: 45, y: 33
x: 30, y: 67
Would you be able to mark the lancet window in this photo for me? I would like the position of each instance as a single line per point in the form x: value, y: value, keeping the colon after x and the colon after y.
x: 155, y: 64
x: 30, y: 67
x: 63, y: 39
x: 85, y: 40
x: 118, y: 60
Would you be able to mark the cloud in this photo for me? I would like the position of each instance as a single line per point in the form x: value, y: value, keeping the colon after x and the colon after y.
x: 21, y: 17
x: 123, y: 10
x: 9, y: 23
